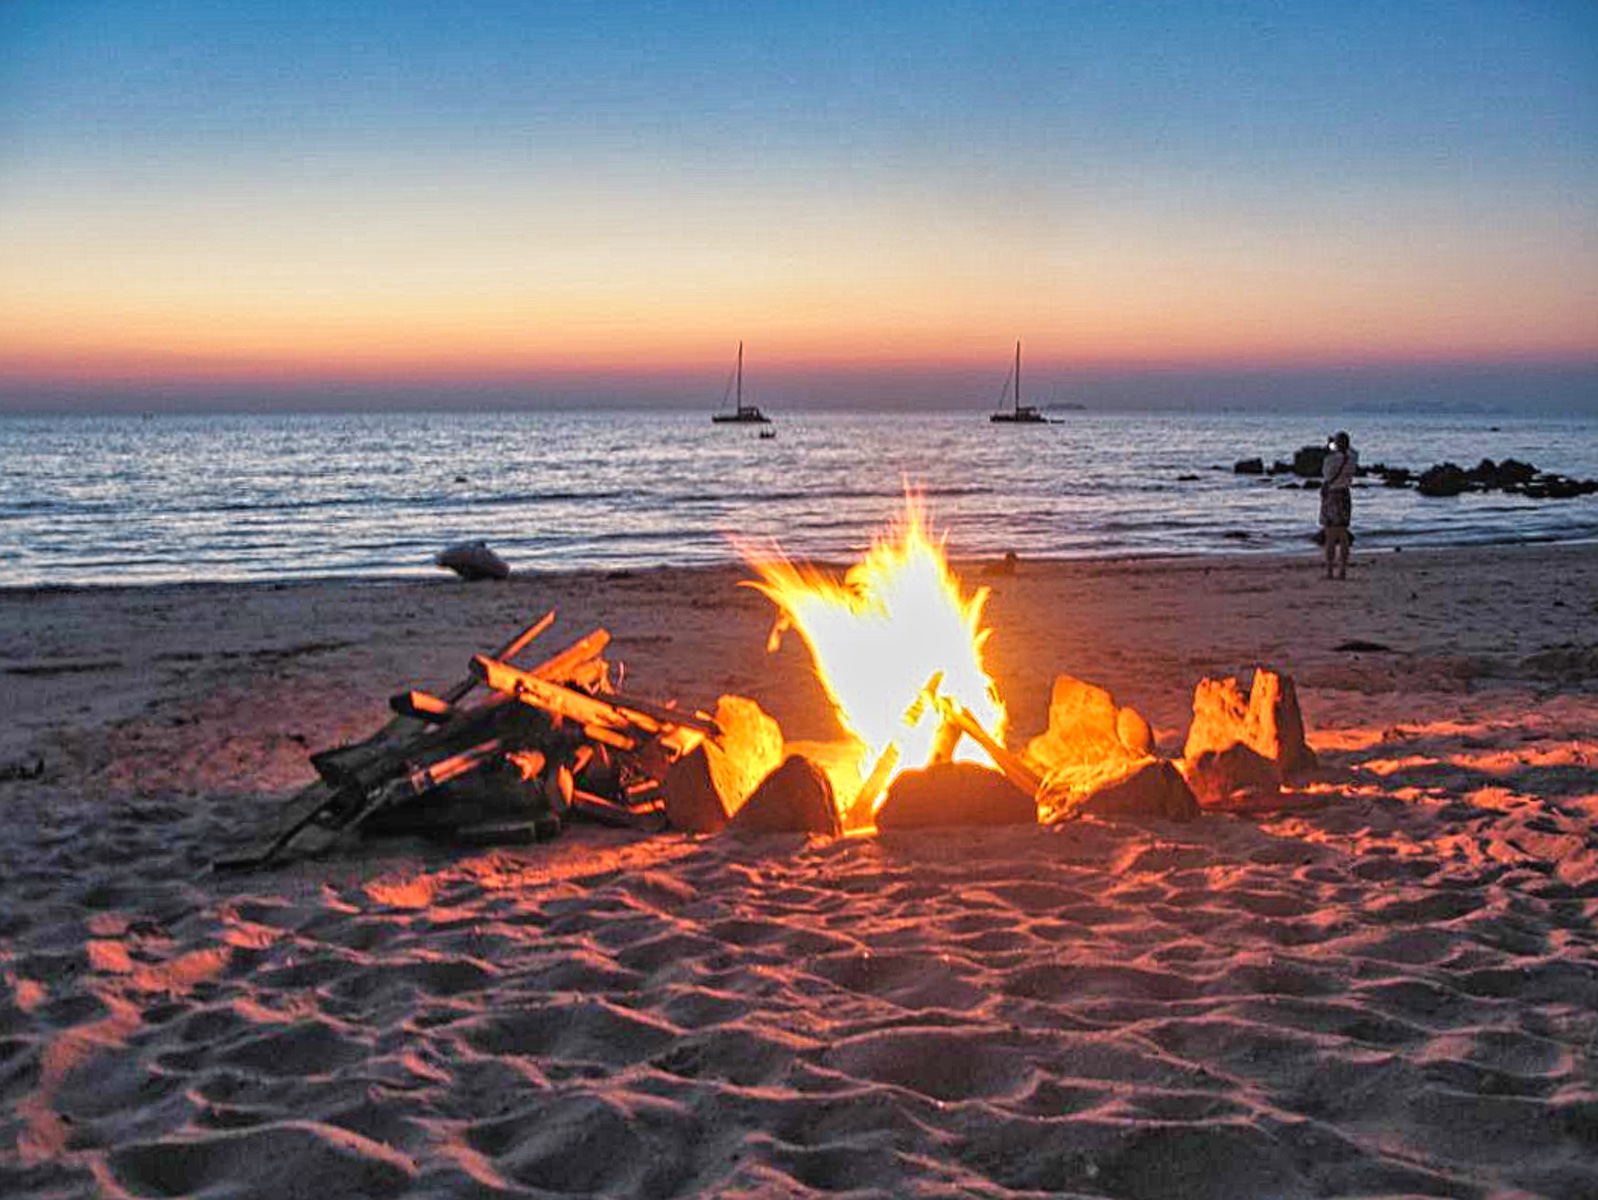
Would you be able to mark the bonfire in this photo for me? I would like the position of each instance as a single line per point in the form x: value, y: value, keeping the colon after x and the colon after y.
x: 897, y: 647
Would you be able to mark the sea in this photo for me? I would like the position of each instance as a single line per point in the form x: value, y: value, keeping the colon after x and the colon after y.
x: 157, y: 499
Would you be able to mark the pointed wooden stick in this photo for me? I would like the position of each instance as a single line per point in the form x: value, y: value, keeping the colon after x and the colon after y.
x: 861, y: 812
x: 1016, y: 771
x: 509, y: 650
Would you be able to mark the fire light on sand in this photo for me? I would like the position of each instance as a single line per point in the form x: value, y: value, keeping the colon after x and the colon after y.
x: 897, y: 645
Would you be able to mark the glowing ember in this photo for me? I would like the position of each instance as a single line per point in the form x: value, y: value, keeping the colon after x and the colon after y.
x: 896, y: 623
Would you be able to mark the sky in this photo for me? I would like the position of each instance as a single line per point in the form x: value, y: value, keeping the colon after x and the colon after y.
x: 215, y: 203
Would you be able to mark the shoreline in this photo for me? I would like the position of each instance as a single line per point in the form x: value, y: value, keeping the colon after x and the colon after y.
x: 967, y: 566
x: 1389, y: 985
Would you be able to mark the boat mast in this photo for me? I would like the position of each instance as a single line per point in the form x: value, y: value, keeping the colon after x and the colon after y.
x: 1018, y: 375
x: 740, y: 376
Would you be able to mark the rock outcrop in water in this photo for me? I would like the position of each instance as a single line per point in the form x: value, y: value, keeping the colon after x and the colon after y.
x: 1442, y: 480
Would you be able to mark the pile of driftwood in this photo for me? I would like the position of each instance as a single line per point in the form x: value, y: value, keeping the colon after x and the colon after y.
x: 506, y: 755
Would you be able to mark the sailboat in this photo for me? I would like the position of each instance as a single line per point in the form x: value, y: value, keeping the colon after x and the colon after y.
x: 742, y: 414
x: 1020, y: 414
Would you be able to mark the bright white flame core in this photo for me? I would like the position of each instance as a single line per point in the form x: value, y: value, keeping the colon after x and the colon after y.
x: 896, y: 621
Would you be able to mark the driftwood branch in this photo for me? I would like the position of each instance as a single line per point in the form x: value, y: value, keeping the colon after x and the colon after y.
x: 613, y: 712
x: 385, y: 749
x: 423, y: 706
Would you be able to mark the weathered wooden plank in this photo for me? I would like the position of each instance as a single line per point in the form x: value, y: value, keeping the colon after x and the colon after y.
x: 555, y: 699
x: 613, y: 711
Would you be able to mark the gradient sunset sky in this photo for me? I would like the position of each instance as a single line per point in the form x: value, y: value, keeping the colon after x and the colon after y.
x: 302, y: 204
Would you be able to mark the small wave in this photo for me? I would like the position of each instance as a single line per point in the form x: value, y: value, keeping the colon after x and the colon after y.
x: 300, y: 496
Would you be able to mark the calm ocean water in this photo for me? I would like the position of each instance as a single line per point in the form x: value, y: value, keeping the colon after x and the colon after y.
x: 95, y: 500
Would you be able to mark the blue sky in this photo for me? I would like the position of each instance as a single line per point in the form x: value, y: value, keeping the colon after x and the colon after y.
x: 285, y: 200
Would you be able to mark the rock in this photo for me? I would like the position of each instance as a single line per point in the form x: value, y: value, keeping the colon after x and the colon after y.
x: 1505, y: 476
x: 1309, y: 461
x: 1249, y: 466
x: 1093, y: 747
x: 1513, y: 472
x: 693, y: 802
x: 473, y: 560
x: 1087, y: 729
x: 706, y: 786
x: 954, y: 794
x: 1445, y: 479
x: 1152, y: 789
x: 1134, y: 731
x: 1148, y: 787
x: 795, y: 798
x: 1279, y: 723
x: 1558, y: 487
x: 1268, y: 725
x: 1235, y: 776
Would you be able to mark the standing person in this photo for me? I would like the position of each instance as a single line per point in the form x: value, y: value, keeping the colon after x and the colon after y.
x: 1337, y: 504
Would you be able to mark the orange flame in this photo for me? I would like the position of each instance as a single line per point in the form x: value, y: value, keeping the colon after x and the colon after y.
x: 896, y: 626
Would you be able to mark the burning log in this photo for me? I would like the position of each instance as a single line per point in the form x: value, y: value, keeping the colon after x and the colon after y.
x: 862, y: 811
x: 1021, y: 776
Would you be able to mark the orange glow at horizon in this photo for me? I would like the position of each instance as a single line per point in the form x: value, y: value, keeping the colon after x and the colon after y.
x: 290, y: 284
x: 422, y: 350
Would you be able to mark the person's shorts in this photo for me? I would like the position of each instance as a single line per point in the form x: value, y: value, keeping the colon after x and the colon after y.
x: 1337, y: 508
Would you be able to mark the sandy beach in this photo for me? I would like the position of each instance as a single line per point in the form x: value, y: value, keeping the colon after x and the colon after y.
x: 1386, y: 986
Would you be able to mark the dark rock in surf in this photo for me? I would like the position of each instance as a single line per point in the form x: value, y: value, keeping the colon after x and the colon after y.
x: 1308, y: 461
x: 1445, y: 479
x: 473, y: 560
